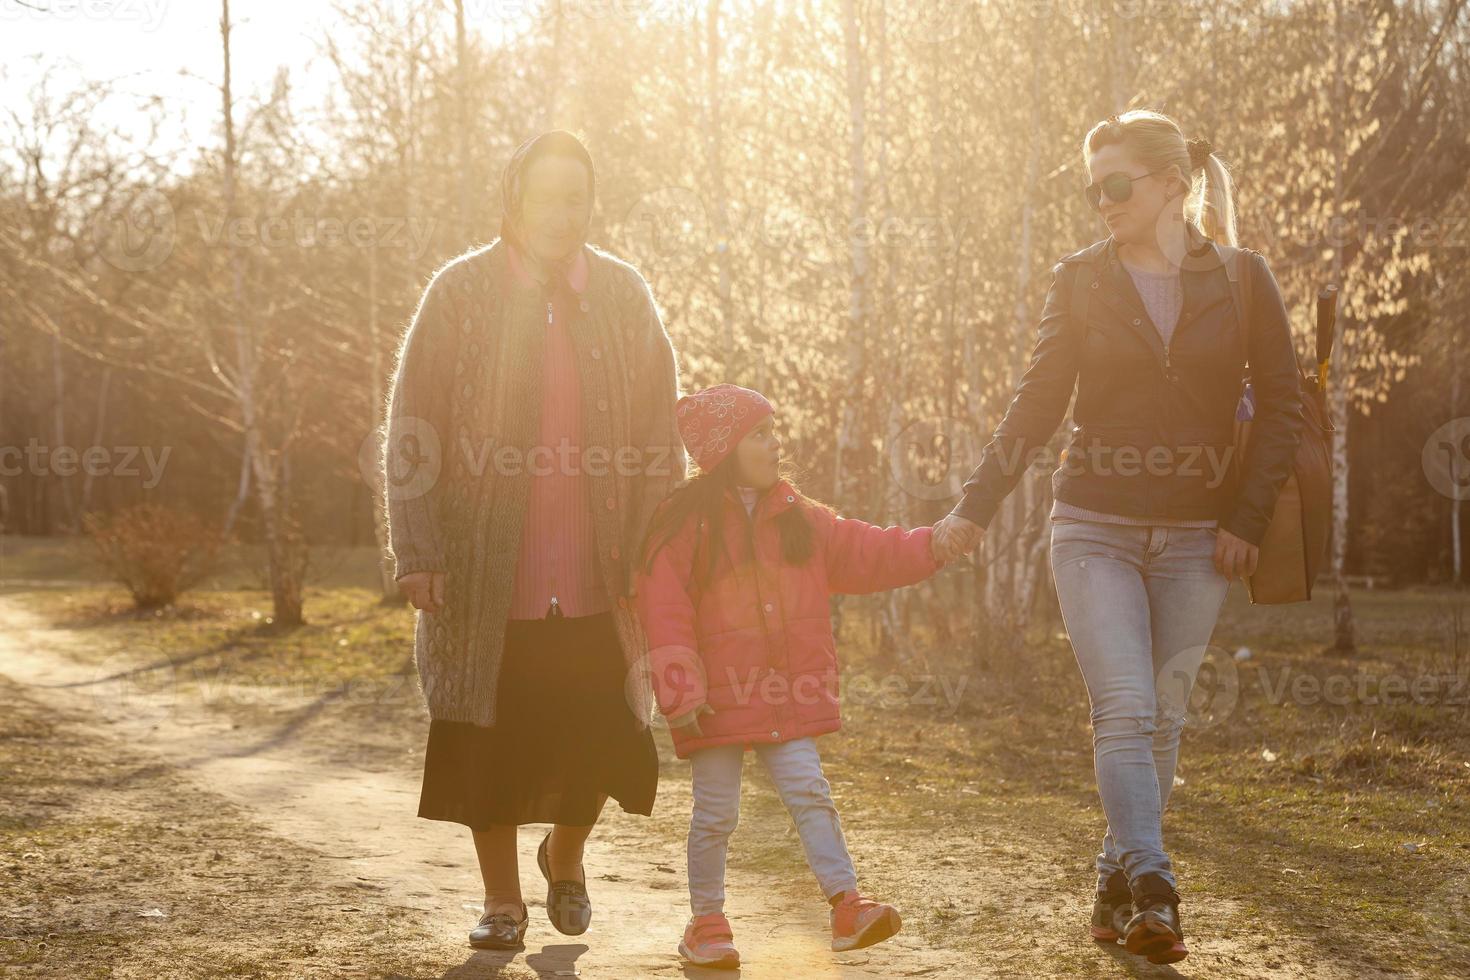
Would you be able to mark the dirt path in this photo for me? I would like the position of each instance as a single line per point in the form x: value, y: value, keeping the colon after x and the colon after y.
x: 347, y: 823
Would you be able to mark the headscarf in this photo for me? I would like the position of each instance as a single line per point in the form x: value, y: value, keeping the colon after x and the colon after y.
x: 512, y: 187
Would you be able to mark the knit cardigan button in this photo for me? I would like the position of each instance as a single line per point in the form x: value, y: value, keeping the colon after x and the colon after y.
x: 615, y: 553
x: 611, y: 503
x: 583, y: 306
x: 602, y: 404
x: 597, y: 353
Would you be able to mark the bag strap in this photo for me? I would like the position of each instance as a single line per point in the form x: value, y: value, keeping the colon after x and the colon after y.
x: 1237, y: 270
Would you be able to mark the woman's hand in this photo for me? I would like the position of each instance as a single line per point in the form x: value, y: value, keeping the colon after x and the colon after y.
x: 1235, y: 557
x: 689, y: 721
x: 425, y: 590
x: 955, y: 536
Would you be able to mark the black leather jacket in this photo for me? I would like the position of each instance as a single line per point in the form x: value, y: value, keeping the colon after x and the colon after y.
x: 1153, y: 428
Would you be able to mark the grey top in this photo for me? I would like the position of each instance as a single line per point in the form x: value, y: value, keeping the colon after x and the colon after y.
x: 1162, y: 295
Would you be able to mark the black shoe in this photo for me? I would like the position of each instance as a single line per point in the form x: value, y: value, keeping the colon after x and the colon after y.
x: 1155, y: 931
x: 500, y: 931
x: 567, y: 904
x: 1112, y: 909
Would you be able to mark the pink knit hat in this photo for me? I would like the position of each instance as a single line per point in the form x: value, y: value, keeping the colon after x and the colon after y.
x: 713, y: 421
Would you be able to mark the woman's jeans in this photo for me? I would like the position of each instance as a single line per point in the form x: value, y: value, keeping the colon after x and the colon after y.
x: 1140, y: 604
x: 796, y: 769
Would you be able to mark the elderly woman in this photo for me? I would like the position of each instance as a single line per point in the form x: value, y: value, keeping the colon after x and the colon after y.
x: 530, y: 435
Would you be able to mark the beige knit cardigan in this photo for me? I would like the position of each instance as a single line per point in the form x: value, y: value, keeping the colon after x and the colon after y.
x: 463, y: 416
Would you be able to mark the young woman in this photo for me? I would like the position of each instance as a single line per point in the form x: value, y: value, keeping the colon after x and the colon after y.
x: 1150, y: 521
x: 531, y: 369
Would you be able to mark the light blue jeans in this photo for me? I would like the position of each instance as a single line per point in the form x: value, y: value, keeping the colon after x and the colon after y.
x: 1140, y: 604
x: 796, y: 769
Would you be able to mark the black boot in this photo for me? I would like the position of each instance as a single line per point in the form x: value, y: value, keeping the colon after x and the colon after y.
x: 1112, y: 909
x: 1155, y: 931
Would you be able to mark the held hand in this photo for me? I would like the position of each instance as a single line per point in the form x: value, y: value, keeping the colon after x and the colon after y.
x: 955, y: 536
x: 938, y: 547
x: 689, y: 721
x: 425, y: 590
x: 1235, y: 557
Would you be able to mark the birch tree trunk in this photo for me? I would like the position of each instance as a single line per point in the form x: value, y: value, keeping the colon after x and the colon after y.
x: 99, y: 432
x: 68, y: 517
x: 857, y: 313
x: 281, y: 549
x: 715, y: 152
x: 1342, y: 609
x: 462, y: 137
x: 1456, y: 548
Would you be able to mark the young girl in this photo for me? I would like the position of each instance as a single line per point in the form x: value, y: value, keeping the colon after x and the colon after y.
x: 733, y: 591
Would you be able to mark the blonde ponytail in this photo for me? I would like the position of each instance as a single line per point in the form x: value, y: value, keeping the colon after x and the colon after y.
x: 1215, y: 208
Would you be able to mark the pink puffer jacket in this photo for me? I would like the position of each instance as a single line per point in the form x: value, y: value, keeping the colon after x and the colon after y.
x: 756, y: 644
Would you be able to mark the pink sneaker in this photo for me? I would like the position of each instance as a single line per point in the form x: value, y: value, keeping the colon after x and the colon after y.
x: 859, y: 922
x: 708, y: 941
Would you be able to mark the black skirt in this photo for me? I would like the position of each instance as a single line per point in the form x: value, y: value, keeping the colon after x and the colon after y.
x: 564, y: 735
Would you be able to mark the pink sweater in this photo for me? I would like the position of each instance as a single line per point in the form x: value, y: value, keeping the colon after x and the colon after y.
x: 557, y: 565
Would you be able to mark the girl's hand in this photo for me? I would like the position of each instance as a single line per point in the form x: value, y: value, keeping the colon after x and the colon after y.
x: 1235, y: 557
x: 955, y: 537
x: 940, y: 547
x: 689, y: 720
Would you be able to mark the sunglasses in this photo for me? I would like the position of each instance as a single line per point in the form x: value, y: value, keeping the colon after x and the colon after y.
x: 1118, y: 186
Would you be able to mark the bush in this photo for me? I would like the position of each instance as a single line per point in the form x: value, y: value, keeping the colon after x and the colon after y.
x: 155, y: 552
